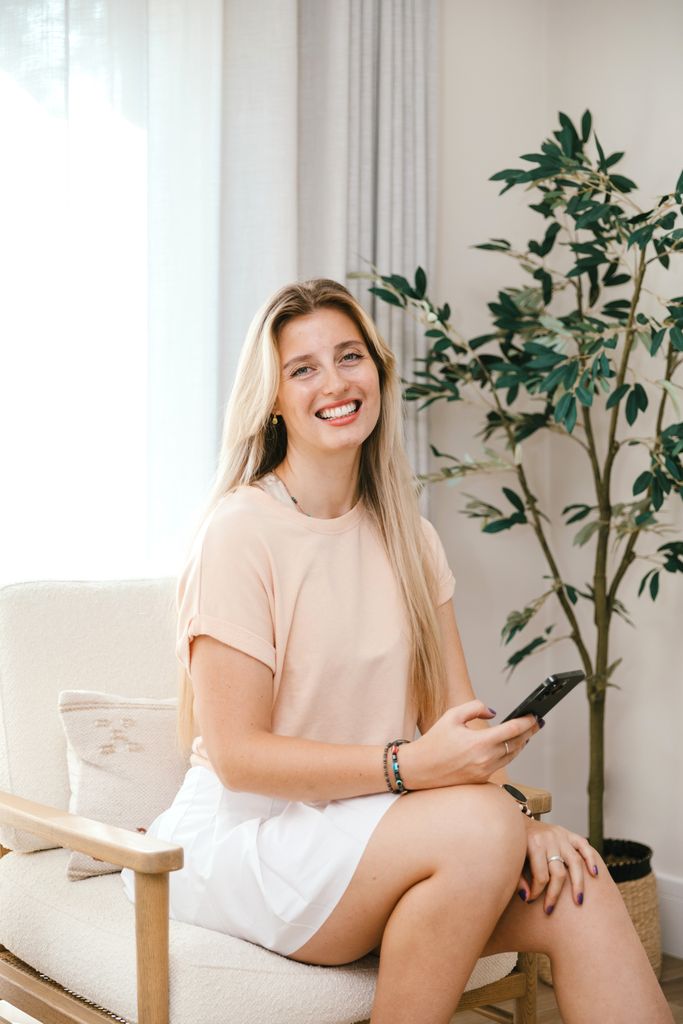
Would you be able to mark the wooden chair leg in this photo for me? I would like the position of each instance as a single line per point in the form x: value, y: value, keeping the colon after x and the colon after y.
x: 525, y: 1006
x: 151, y: 936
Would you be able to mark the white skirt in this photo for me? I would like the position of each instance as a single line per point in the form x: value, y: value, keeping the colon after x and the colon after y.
x: 260, y: 868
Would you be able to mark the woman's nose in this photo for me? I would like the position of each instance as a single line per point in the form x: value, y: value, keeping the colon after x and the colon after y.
x: 334, y: 382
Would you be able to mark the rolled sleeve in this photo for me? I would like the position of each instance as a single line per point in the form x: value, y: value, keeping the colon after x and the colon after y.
x: 225, y: 590
x: 444, y: 576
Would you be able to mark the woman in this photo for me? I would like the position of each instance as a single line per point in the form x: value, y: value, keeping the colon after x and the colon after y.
x: 316, y: 627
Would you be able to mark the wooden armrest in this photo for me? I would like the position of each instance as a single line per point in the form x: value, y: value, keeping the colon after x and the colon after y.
x: 120, y: 846
x: 539, y: 801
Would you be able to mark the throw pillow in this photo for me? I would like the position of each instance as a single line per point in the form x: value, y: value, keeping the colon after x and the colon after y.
x: 124, y: 763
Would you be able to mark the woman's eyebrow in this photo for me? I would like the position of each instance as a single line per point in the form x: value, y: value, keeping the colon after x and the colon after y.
x: 311, y: 355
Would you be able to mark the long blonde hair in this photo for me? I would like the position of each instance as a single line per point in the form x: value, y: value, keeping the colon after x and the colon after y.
x: 252, y: 446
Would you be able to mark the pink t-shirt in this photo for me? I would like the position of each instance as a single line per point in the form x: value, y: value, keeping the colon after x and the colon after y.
x: 317, y: 602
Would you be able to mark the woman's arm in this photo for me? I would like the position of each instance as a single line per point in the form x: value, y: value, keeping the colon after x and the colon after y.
x: 233, y: 701
x: 458, y: 683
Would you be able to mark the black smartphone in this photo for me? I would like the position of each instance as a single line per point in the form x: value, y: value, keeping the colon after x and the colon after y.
x: 547, y: 695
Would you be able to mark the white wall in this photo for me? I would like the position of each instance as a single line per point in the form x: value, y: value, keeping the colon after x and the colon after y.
x: 507, y: 69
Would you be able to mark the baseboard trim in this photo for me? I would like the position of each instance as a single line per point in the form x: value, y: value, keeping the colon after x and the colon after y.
x: 670, y: 892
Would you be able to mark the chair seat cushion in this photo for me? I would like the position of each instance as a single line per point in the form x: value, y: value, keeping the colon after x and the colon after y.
x: 83, y: 936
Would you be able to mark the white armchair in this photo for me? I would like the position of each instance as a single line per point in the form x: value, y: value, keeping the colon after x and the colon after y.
x: 79, y: 951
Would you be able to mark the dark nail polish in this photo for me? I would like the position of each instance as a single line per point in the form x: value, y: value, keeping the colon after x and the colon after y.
x: 595, y: 869
x: 579, y: 898
x: 522, y: 895
x: 549, y: 910
x: 492, y: 711
x: 541, y: 722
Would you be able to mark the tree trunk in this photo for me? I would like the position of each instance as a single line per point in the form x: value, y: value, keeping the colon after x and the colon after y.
x: 596, y: 781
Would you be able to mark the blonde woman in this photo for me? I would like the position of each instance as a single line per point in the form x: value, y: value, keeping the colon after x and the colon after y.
x: 317, y: 635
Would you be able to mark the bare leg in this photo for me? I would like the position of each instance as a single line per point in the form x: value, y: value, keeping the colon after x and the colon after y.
x: 436, y: 876
x: 435, y: 887
x: 601, y: 973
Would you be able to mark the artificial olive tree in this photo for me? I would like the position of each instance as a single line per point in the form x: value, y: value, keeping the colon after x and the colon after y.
x: 572, y: 376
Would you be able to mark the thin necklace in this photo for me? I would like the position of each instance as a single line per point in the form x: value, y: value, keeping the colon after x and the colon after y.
x: 296, y: 503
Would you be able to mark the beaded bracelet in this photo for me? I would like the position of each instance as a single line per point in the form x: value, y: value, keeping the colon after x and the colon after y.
x: 393, y: 747
x: 400, y: 788
x: 386, y: 770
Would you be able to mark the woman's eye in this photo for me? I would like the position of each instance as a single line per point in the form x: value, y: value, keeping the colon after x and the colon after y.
x: 354, y: 356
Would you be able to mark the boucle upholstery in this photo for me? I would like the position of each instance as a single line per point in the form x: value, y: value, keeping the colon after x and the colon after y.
x: 116, y: 636
x: 119, y: 637
x: 82, y: 936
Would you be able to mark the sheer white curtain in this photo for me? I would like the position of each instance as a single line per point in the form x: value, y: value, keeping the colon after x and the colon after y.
x: 166, y: 166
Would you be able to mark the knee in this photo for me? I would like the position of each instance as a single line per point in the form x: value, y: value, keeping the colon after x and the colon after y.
x: 490, y: 821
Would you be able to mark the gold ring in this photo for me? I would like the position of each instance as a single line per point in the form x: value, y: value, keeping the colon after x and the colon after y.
x: 507, y: 749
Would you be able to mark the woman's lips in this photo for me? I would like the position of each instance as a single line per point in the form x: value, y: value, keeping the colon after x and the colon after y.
x: 340, y: 421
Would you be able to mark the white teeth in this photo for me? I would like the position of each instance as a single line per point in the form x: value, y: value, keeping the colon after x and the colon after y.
x: 340, y: 410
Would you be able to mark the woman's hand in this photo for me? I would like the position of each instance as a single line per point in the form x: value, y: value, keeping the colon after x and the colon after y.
x: 452, y: 754
x: 542, y: 871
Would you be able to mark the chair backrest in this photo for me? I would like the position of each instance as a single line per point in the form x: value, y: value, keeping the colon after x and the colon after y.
x: 114, y: 636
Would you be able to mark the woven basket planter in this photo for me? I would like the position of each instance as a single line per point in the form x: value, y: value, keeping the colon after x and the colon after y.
x: 629, y: 866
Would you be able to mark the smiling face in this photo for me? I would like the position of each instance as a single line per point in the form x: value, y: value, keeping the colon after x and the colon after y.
x: 329, y: 394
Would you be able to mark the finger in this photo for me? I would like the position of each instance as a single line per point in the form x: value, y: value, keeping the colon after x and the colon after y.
x: 538, y: 871
x: 465, y: 713
x: 589, y: 855
x: 511, y: 743
x: 516, y: 729
x: 577, y: 874
x: 559, y: 873
x: 523, y: 889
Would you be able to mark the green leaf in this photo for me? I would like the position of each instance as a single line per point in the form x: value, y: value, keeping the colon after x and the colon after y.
x: 547, y: 286
x: 631, y: 407
x: 622, y: 183
x: 601, y: 153
x: 585, y: 533
x: 489, y: 246
x: 562, y: 407
x: 586, y: 122
x: 513, y: 498
x: 595, y: 213
x: 551, y: 323
x: 504, y: 524
x: 673, y: 553
x: 616, y: 396
x: 654, y: 585
x: 387, y: 296
x: 642, y: 482
x: 570, y: 418
x: 657, y: 339
x: 568, y: 138
x: 671, y: 389
x: 677, y: 338
x: 679, y: 183
x: 524, y: 652
x: 581, y: 514
x: 584, y: 396
x: 399, y: 283
x: 641, y: 396
x: 420, y: 283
